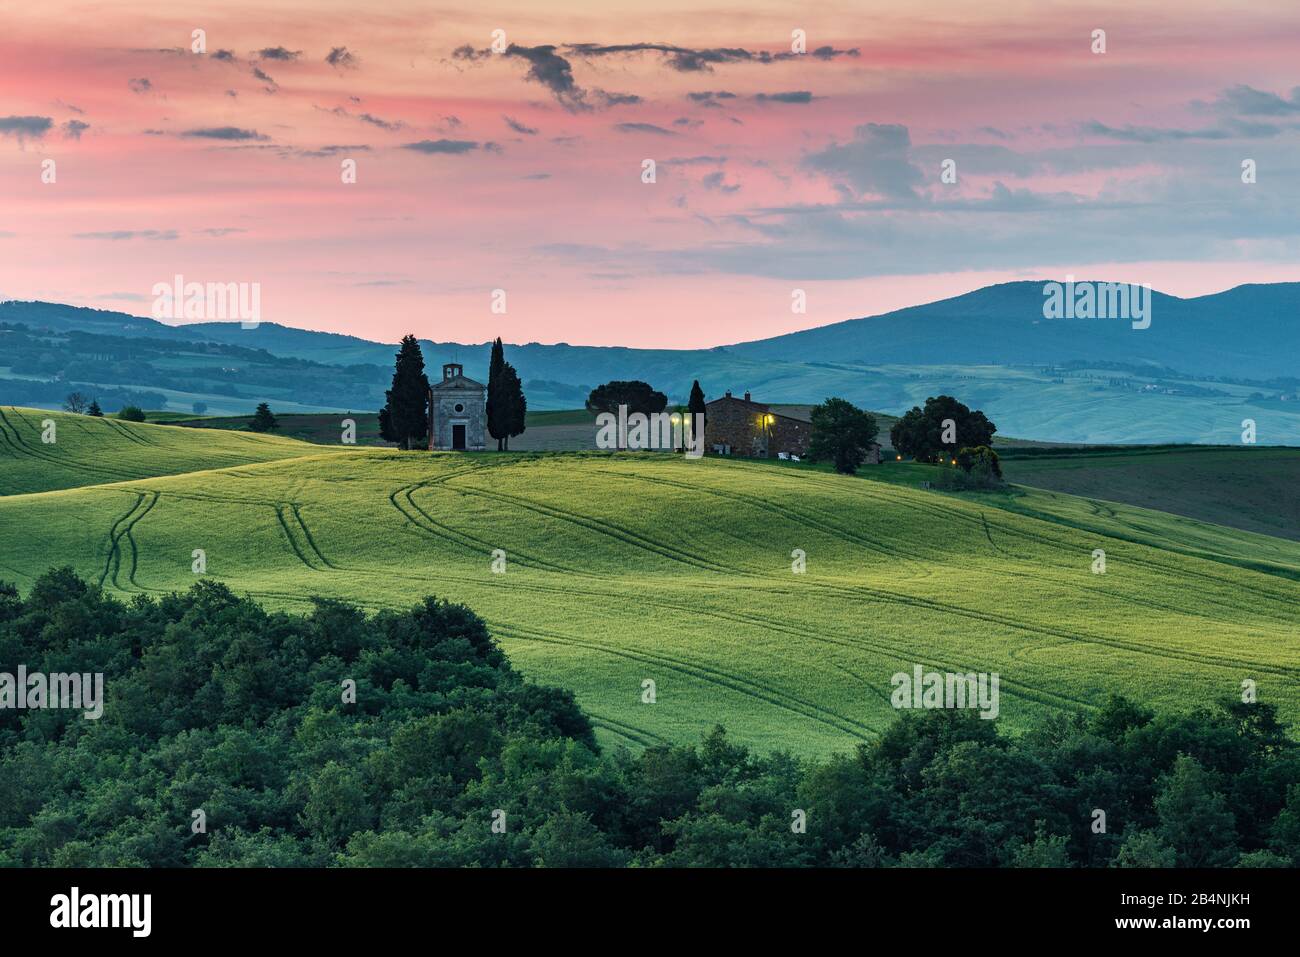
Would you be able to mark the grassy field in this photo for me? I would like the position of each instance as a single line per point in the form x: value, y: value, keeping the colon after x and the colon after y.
x: 93, y: 451
x: 623, y: 568
x: 1256, y: 489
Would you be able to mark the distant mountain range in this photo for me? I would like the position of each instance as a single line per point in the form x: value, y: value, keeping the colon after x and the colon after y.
x: 1202, y: 365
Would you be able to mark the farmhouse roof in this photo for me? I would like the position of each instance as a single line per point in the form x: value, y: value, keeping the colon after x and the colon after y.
x: 755, y: 406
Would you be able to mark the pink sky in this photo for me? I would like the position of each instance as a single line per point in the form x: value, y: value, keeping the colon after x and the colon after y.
x: 1123, y: 166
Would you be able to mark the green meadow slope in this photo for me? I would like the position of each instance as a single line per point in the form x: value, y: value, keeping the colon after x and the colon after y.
x: 627, y: 568
x: 1252, y: 488
x: 91, y: 451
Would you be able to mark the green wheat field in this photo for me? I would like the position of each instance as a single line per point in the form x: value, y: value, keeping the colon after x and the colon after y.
x: 625, y: 568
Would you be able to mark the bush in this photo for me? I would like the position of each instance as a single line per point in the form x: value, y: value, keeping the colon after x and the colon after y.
x: 131, y: 413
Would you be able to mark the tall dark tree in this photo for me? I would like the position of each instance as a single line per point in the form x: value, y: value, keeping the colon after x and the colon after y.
x: 263, y: 419
x: 95, y: 410
x: 512, y: 391
x: 921, y: 432
x: 498, y: 404
x: 695, y: 404
x: 405, y: 417
x: 841, y: 433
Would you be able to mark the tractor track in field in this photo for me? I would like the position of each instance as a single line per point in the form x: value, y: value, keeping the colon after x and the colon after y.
x: 606, y: 528
x: 306, y: 534
x: 815, y: 520
x: 431, y: 526
x: 128, y: 434
x: 639, y: 736
x: 723, y: 679
x: 122, y: 530
x: 293, y: 543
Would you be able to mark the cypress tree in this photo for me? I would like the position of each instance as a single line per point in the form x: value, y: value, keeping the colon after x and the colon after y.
x: 513, y: 391
x: 694, y: 405
x: 498, y: 404
x: 405, y: 417
x: 263, y: 419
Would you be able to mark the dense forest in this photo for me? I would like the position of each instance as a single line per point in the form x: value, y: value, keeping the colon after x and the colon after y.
x: 445, y: 756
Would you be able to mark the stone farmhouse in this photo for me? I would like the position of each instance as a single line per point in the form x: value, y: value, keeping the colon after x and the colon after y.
x: 743, y: 427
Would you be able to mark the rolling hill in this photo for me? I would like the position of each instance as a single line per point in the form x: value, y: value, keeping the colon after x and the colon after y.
x: 626, y: 568
x: 1203, y: 366
x: 96, y: 451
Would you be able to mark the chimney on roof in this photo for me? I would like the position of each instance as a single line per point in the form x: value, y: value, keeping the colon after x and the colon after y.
x: 746, y: 396
x: 728, y: 393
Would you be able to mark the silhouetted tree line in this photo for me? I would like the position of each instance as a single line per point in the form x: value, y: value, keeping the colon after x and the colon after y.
x: 213, y: 703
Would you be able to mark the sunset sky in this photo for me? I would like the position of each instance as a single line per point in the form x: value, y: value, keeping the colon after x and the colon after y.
x: 522, y: 170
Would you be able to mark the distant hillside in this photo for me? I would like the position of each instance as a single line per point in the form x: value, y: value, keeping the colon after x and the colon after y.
x: 1248, y: 332
x: 1203, y: 366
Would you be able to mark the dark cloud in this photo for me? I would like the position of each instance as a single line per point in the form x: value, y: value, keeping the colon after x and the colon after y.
x: 1156, y: 134
x: 332, y: 150
x: 710, y: 97
x: 391, y: 125
x: 278, y: 53
x: 121, y: 234
x: 519, y: 127
x: 794, y: 96
x: 341, y: 59
x: 875, y: 161
x: 224, y: 133
x: 73, y: 129
x: 717, y: 181
x: 1245, y: 100
x: 552, y: 71
x: 22, y: 127
x: 605, y: 99
x: 140, y: 84
x: 271, y: 85
x: 699, y: 60
x: 643, y: 128
x: 454, y: 147
x: 226, y: 56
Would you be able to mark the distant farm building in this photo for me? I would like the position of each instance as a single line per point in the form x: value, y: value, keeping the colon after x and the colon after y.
x: 457, y: 412
x: 742, y: 427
